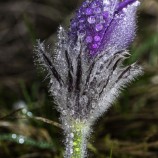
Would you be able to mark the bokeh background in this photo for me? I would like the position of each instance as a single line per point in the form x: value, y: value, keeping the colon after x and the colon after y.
x: 128, y: 130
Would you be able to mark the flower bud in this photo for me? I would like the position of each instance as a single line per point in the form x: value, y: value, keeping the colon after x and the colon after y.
x: 85, y: 87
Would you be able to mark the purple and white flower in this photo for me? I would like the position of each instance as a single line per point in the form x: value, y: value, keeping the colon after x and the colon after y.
x: 86, y: 69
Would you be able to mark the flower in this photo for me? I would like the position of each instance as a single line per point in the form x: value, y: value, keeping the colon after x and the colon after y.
x: 86, y: 69
x: 105, y: 24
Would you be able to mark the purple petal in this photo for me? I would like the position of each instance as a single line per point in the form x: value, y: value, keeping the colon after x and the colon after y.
x: 111, y: 21
x: 122, y: 29
x: 124, y: 4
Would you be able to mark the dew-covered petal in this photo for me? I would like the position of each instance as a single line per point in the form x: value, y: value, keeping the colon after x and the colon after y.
x: 124, y: 4
x: 112, y: 21
x: 122, y: 29
x: 95, y: 16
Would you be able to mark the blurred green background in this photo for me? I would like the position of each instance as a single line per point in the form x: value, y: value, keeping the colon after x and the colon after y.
x: 130, y: 127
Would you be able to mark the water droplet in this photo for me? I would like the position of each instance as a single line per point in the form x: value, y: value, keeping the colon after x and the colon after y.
x: 136, y: 4
x: 93, y: 105
x: 94, y: 4
x: 84, y: 4
x: 94, y: 46
x: 82, y: 20
x: 71, y: 135
x: 51, y: 81
x: 21, y: 140
x: 67, y: 140
x: 24, y: 111
x: 91, y: 19
x: 97, y: 10
x: 29, y: 114
x: 71, y: 151
x: 71, y: 143
x: 72, y: 112
x: 79, y: 15
x: 106, y: 2
x: 97, y: 38
x: 124, y: 10
x: 89, y: 39
x: 81, y: 27
x: 101, y: 18
x: 14, y: 136
x: 64, y: 112
x: 88, y: 11
x: 99, y: 27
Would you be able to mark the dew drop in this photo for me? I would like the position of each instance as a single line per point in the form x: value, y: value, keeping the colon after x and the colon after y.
x: 72, y: 112
x: 51, y: 81
x: 81, y: 27
x: 97, y: 10
x: 82, y: 20
x: 71, y: 151
x: 124, y: 10
x: 65, y: 124
x: 99, y: 27
x: 97, y: 38
x: 71, y: 143
x: 94, y: 46
x: 93, y: 105
x: 84, y: 4
x: 91, y: 19
x: 136, y: 4
x: 94, y: 4
x: 64, y: 112
x: 29, y: 114
x: 24, y: 111
x: 67, y: 140
x: 21, y: 140
x: 106, y: 2
x: 101, y: 18
x: 89, y: 39
x: 14, y: 136
x: 71, y: 135
x: 88, y: 11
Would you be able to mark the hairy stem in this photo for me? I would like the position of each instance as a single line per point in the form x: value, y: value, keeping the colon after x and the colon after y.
x: 76, y: 141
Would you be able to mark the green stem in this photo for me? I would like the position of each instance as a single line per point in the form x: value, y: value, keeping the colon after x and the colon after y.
x: 77, y: 141
x: 78, y: 144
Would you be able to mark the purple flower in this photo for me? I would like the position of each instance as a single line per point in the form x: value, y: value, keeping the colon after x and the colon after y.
x: 84, y: 86
x: 105, y: 24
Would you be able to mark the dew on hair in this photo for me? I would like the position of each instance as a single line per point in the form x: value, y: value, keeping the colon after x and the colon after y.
x: 71, y: 135
x: 29, y: 114
x: 14, y: 136
x: 21, y: 140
